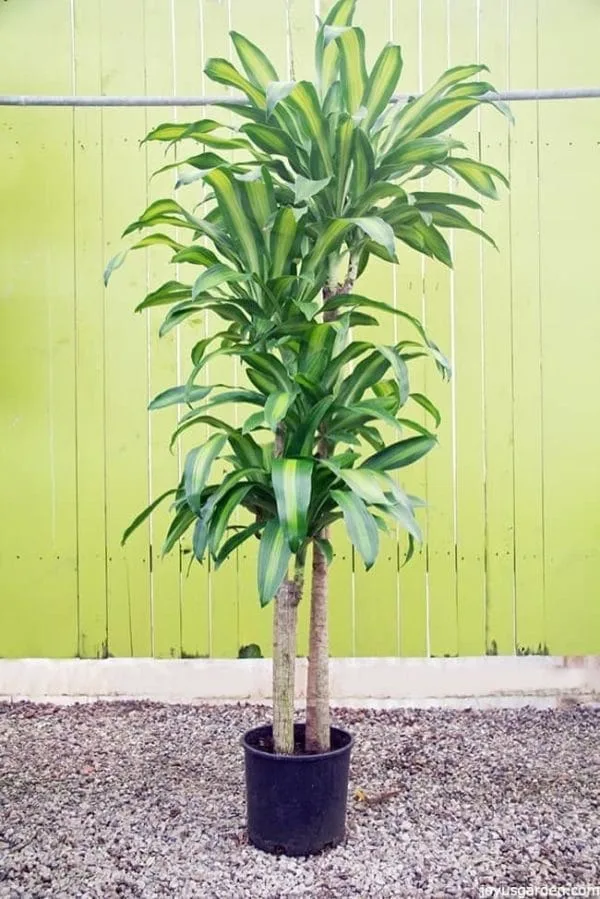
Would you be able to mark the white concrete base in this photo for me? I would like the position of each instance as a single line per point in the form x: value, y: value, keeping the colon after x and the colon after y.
x: 545, y: 681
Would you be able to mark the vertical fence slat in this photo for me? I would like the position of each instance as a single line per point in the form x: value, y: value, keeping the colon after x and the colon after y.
x: 525, y: 290
x: 162, y: 351
x: 194, y: 579
x: 411, y: 583
x: 467, y: 377
x: 90, y: 334
x: 569, y: 185
x: 440, y: 549
x: 498, y: 354
x: 38, y: 610
x: 126, y: 371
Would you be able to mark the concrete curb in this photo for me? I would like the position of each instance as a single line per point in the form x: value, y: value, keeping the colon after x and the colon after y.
x: 507, y: 681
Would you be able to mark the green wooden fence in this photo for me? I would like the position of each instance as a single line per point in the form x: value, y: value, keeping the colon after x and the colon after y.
x: 512, y: 559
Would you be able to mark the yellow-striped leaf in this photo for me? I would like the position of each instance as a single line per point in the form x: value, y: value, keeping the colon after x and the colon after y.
x: 382, y: 83
x: 442, y: 116
x: 256, y: 65
x: 215, y: 275
x: 477, y: 175
x: 302, y: 101
x: 241, y: 228
x: 223, y: 72
x: 351, y: 47
x: 292, y: 482
x: 273, y: 557
x: 277, y: 406
x: 197, y: 469
x: 327, y: 57
x: 271, y: 139
x: 283, y: 234
x: 344, y: 144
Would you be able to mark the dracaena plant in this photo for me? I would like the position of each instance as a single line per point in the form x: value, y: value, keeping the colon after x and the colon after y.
x: 322, y: 178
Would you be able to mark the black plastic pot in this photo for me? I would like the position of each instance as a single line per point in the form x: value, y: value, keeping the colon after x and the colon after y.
x: 296, y: 803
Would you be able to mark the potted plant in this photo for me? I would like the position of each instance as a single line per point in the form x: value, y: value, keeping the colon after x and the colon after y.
x: 324, y: 176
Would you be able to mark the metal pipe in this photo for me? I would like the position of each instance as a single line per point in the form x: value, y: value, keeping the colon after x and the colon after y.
x: 567, y: 93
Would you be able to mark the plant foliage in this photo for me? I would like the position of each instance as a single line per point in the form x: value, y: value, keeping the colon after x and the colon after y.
x: 318, y: 178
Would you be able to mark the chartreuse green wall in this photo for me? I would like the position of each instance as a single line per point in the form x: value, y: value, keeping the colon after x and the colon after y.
x: 512, y: 559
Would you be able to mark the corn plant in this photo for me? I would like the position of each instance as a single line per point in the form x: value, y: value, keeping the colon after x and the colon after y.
x: 324, y: 176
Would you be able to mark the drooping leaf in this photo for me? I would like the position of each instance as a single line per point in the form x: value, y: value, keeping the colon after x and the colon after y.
x: 222, y: 512
x: 139, y: 519
x: 271, y: 139
x: 197, y: 469
x: 360, y: 525
x: 292, y: 486
x: 179, y: 525
x: 477, y: 175
x: 236, y: 541
x: 223, y: 72
x: 277, y: 406
x: 379, y: 231
x: 214, y: 276
x: 400, y: 454
x: 273, y: 557
x: 177, y: 395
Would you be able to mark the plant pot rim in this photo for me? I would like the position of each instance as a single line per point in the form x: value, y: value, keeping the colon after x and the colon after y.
x: 299, y: 757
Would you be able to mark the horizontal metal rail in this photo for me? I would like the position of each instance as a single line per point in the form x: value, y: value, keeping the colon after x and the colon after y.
x: 568, y: 93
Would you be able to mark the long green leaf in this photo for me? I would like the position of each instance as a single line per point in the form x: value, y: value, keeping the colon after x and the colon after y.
x: 327, y: 57
x: 328, y: 242
x: 195, y: 255
x: 223, y: 72
x: 179, y: 525
x: 273, y: 557
x: 354, y: 80
x: 215, y: 275
x: 302, y: 101
x: 274, y: 140
x: 222, y: 512
x: 382, y: 83
x: 360, y: 524
x: 292, y: 481
x: 400, y: 454
x: 197, y: 469
x: 176, y: 395
x: 256, y: 65
x: 344, y: 143
x: 242, y: 229
x: 399, y: 369
x: 283, y: 235
x: 379, y: 231
x: 236, y: 541
x: 139, y: 519
x: 368, y: 372
x: 303, y: 437
x: 442, y: 116
x: 277, y: 406
x: 477, y: 175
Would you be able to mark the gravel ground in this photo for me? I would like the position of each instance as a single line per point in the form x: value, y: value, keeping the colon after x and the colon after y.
x: 144, y: 800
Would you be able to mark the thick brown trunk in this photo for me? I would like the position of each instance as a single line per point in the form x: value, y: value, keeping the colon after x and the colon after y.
x: 317, y: 683
x: 285, y: 620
